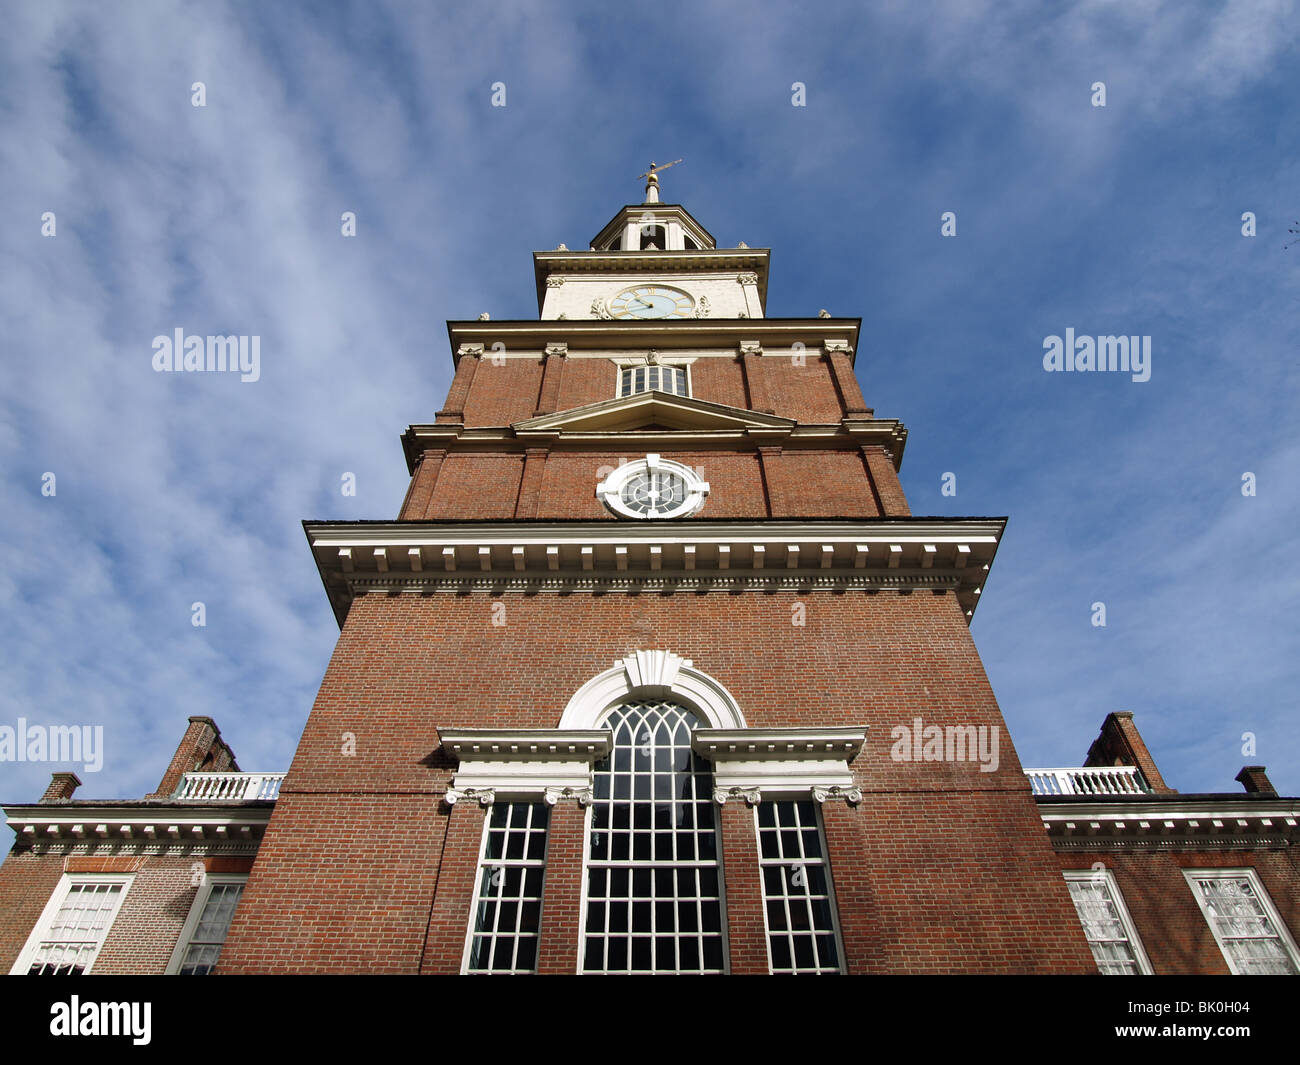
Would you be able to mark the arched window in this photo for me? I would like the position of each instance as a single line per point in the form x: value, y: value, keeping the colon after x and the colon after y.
x: 654, y: 897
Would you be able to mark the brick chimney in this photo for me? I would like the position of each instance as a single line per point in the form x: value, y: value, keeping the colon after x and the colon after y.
x: 1120, y: 743
x: 201, y: 750
x: 1255, y: 781
x: 62, y: 785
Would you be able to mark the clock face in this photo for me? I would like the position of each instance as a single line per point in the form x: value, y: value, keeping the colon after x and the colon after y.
x: 652, y: 301
x: 655, y: 493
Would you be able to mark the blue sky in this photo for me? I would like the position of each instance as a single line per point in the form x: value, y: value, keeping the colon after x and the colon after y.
x: 225, y: 219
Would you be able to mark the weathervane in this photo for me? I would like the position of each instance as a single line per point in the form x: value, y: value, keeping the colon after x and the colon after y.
x: 652, y: 180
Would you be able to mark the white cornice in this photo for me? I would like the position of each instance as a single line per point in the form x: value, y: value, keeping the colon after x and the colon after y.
x: 778, y: 744
x: 654, y: 555
x: 756, y: 764
x: 164, y: 824
x: 740, y: 434
x: 1214, y: 823
x: 525, y: 745
x: 523, y: 763
x: 654, y: 263
x: 691, y: 336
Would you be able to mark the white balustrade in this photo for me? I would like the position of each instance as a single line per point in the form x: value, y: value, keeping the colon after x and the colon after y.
x: 228, y: 787
x: 1090, y: 780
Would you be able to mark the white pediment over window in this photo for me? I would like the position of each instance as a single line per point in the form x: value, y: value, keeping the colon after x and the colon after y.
x: 652, y: 409
x: 653, y: 674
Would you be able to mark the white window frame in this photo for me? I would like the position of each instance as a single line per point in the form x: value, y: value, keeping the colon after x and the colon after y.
x: 1288, y: 944
x: 525, y: 864
x: 630, y: 367
x: 824, y: 861
x: 42, y: 927
x: 610, y: 490
x: 719, y: 863
x: 1125, y: 918
x: 210, y: 880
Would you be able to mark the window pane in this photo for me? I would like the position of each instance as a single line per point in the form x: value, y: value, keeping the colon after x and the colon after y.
x: 652, y: 846
x: 1104, y: 927
x: 508, y: 903
x: 798, y: 905
x: 78, y: 930
x: 671, y: 379
x: 1243, y: 927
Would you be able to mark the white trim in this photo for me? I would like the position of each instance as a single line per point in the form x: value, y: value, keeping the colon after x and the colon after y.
x: 523, y: 764
x: 1287, y: 943
x: 43, y: 823
x: 210, y: 880
x: 632, y: 412
x: 24, y: 960
x: 610, y: 490
x: 824, y: 861
x: 630, y: 863
x: 631, y: 365
x: 1126, y: 919
x: 768, y: 763
x: 652, y: 675
x: 1212, y: 822
x: 523, y: 864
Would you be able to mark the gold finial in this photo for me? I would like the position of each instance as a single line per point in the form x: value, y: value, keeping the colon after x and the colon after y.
x: 652, y: 180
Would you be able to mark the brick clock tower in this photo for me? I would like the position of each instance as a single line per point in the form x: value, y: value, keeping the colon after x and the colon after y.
x: 655, y: 672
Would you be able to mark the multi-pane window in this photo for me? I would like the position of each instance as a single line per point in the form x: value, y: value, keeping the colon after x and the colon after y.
x: 74, y: 935
x: 670, y: 379
x: 654, y: 898
x: 204, y: 941
x: 1106, y: 924
x: 797, y: 898
x: 1245, y: 925
x: 508, y: 905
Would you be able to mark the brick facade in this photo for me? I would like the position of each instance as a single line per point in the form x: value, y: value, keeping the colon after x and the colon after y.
x: 369, y: 863
x: 1173, y: 930
x: 408, y: 665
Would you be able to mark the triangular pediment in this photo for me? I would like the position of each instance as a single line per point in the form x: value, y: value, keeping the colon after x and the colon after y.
x: 652, y: 411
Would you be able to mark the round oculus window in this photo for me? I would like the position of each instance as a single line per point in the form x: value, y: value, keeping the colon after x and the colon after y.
x: 653, y: 487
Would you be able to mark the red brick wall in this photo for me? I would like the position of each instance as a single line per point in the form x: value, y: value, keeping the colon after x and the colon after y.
x: 1173, y: 930
x: 958, y: 873
x: 562, y: 485
x: 562, y: 888
x: 26, y: 882
x: 509, y: 392
x: 148, y: 923
x: 444, y: 945
x: 884, y: 480
x: 719, y: 381
x: 586, y: 381
x: 151, y: 917
x: 475, y: 486
x: 506, y: 393
x: 344, y: 879
x: 201, y: 749
x: 470, y: 485
x: 743, y: 890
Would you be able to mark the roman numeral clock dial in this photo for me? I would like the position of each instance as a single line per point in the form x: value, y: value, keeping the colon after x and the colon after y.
x: 652, y: 301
